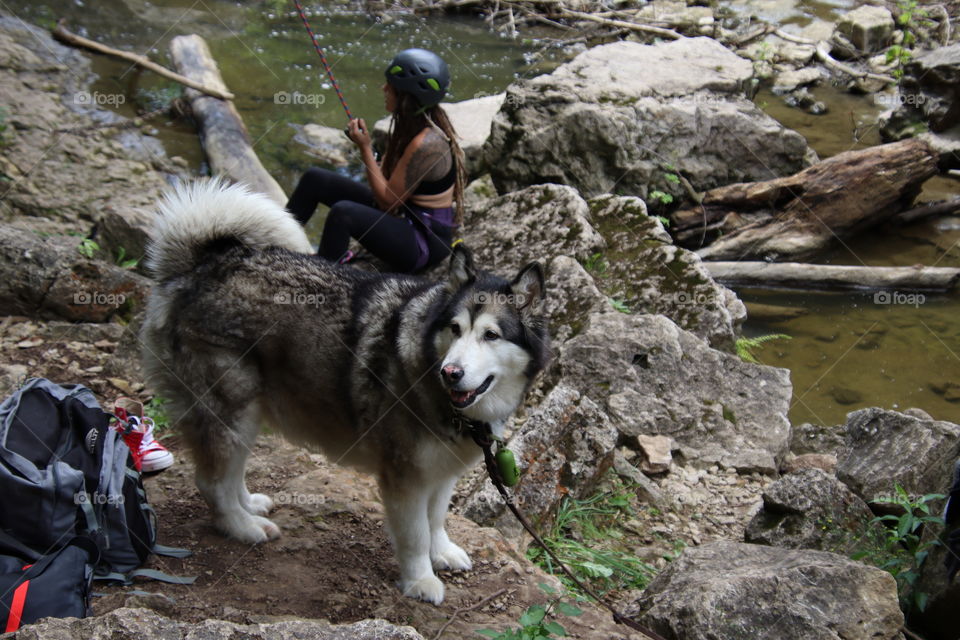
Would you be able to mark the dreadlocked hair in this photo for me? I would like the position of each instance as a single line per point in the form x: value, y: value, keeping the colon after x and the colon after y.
x: 407, y: 121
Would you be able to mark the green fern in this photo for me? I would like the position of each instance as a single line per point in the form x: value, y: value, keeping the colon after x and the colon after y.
x: 747, y: 346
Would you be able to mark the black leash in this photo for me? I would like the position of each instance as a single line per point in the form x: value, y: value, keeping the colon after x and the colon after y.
x: 481, y: 434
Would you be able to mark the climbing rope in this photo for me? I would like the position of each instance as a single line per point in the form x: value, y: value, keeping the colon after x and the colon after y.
x: 323, y: 59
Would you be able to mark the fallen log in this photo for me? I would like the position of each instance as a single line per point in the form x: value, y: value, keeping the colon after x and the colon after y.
x: 67, y: 37
x: 829, y: 277
x: 798, y: 216
x: 224, y: 136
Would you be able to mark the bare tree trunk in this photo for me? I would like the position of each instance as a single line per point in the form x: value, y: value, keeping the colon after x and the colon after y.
x: 225, y: 137
x: 829, y: 277
x: 796, y: 217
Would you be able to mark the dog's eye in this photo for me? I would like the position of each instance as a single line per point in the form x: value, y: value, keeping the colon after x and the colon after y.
x: 455, y: 329
x: 491, y: 335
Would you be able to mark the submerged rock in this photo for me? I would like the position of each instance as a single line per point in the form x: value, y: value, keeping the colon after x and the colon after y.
x: 621, y: 116
x: 731, y: 591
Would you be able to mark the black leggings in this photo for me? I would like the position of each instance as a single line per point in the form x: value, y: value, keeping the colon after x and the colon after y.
x: 353, y: 213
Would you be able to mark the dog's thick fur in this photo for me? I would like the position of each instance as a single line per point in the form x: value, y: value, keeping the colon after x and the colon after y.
x: 244, y: 326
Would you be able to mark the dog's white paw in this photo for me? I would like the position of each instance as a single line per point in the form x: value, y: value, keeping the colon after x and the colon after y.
x: 428, y: 588
x: 451, y: 556
x: 259, y: 504
x: 249, y: 529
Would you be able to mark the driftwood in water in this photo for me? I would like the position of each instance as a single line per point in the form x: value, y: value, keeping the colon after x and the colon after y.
x: 224, y: 136
x: 928, y: 210
x: 798, y: 216
x: 63, y: 35
x: 829, y: 277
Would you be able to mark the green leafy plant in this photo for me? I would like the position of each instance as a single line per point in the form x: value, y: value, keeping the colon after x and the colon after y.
x: 747, y: 346
x: 665, y: 221
x: 584, y: 536
x: 619, y: 305
x: 125, y: 262
x: 910, y: 19
x: 596, y: 264
x: 88, y: 247
x: 538, y: 621
x: 661, y: 196
x: 156, y: 410
x: 903, y: 552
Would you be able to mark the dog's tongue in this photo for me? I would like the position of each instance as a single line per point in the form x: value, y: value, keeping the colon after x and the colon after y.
x: 460, y: 396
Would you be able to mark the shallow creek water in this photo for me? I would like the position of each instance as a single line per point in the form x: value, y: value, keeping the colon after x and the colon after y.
x: 846, y: 351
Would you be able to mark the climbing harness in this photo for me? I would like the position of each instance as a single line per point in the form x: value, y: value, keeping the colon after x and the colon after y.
x: 323, y: 59
x: 496, y: 466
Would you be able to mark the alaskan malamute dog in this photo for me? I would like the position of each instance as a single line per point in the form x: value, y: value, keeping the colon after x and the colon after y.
x: 245, y: 325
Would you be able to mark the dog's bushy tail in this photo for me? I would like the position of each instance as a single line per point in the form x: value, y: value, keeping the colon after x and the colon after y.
x: 194, y: 214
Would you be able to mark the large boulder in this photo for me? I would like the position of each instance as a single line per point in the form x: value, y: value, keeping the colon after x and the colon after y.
x: 563, y: 448
x: 133, y: 624
x: 470, y: 119
x: 868, y: 28
x: 929, y: 94
x: 620, y: 117
x: 534, y: 224
x: 886, y: 448
x: 628, y: 255
x: 811, y: 509
x: 644, y: 270
x: 63, y: 172
x: 730, y: 591
x: 653, y: 377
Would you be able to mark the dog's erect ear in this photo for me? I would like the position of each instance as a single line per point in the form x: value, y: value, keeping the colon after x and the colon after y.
x: 527, y: 288
x: 462, y: 271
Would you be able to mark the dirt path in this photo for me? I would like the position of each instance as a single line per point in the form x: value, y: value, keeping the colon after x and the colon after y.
x: 334, y: 560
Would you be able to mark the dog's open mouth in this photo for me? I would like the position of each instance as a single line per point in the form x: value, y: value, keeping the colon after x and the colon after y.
x: 463, y: 399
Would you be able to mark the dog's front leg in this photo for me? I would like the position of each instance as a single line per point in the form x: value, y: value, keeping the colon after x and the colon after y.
x: 405, y: 502
x: 444, y: 554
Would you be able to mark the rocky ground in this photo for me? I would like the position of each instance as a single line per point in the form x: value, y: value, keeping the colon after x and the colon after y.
x: 645, y: 394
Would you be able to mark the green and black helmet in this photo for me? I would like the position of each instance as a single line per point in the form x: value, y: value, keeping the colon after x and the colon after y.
x: 421, y: 73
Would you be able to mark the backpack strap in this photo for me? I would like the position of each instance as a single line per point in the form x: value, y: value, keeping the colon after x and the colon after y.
x: 153, y: 574
x: 171, y: 552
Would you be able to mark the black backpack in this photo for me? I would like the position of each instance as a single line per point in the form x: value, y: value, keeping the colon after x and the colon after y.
x: 65, y: 472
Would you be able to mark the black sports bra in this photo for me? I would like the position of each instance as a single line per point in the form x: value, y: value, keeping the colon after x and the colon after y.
x: 433, y: 187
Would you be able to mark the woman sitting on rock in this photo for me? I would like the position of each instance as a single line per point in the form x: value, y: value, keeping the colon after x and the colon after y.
x: 406, y: 216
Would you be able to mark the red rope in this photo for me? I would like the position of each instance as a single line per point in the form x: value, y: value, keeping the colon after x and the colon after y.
x: 323, y: 59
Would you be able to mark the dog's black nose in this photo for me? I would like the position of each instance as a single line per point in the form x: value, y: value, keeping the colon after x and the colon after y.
x: 451, y: 373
